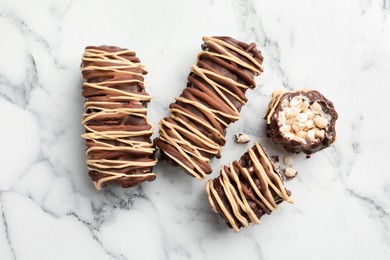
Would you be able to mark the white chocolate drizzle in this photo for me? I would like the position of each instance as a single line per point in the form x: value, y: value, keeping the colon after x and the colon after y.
x: 96, y: 109
x: 215, y: 116
x: 231, y: 182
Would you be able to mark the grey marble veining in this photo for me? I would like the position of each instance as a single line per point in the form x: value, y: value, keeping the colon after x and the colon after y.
x: 49, y: 208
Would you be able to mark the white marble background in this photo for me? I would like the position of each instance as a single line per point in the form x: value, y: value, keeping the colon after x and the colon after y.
x: 49, y: 209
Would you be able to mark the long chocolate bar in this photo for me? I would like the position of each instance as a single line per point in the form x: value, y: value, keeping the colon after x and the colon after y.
x: 195, y: 130
x: 301, y: 120
x: 119, y: 147
x: 247, y: 189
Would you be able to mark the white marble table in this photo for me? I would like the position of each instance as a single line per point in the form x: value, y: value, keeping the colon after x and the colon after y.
x: 49, y: 208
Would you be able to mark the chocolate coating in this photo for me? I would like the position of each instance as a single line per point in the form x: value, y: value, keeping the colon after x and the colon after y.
x: 295, y: 146
x: 247, y: 189
x: 119, y: 147
x: 214, y: 95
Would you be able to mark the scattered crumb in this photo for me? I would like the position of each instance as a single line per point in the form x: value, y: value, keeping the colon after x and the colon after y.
x: 277, y: 165
x: 242, y: 138
x: 290, y: 172
x: 275, y: 161
x: 287, y: 160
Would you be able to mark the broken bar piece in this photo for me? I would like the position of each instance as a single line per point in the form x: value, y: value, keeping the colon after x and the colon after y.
x: 301, y: 121
x: 247, y: 189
